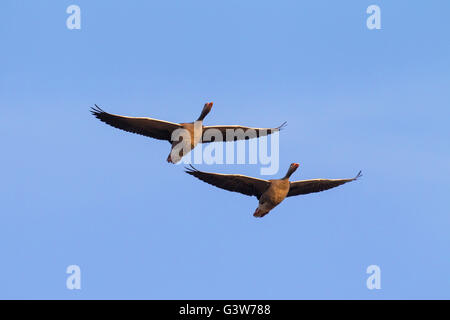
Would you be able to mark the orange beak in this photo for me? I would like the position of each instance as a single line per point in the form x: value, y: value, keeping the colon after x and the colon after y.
x: 296, y: 165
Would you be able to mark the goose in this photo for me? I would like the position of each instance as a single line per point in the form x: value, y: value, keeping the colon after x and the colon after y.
x: 163, y: 130
x: 270, y: 193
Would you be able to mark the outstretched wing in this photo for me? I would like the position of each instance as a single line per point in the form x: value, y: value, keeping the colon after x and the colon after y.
x: 232, y: 182
x: 316, y: 185
x: 234, y: 133
x: 148, y: 127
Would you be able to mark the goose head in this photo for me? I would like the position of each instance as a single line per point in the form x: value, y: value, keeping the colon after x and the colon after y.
x: 292, y: 168
x: 206, y: 109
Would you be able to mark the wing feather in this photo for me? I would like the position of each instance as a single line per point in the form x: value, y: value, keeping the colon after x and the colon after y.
x: 153, y: 128
x: 317, y: 185
x: 231, y: 182
x: 236, y: 132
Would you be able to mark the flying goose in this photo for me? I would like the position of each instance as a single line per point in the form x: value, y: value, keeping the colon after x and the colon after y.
x: 163, y: 130
x: 270, y: 193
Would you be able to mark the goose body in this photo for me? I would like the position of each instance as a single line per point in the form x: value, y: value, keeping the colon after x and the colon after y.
x: 270, y: 193
x: 273, y: 196
x: 165, y: 130
x: 185, y: 146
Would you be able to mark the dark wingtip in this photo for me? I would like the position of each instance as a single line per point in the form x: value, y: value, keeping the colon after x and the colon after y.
x: 359, y: 175
x: 190, y: 169
x: 96, y: 110
x: 282, y: 126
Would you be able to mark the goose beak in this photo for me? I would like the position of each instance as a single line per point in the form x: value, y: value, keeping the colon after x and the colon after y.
x: 296, y: 165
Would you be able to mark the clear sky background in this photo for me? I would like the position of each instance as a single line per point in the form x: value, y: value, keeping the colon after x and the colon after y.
x: 76, y: 191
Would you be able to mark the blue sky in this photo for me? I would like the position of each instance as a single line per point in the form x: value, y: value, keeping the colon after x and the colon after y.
x: 76, y: 191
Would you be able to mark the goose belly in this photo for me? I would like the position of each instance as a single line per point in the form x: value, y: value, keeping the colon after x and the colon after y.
x: 195, y: 133
x: 196, y: 139
x: 273, y: 197
x: 266, y: 206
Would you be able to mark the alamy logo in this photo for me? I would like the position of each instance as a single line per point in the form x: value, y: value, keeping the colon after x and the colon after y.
x: 213, y: 153
x: 74, y: 280
x: 74, y: 20
x: 374, y: 280
x: 374, y: 20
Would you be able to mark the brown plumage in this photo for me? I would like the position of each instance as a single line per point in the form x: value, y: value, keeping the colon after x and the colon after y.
x: 164, y: 130
x: 270, y: 193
